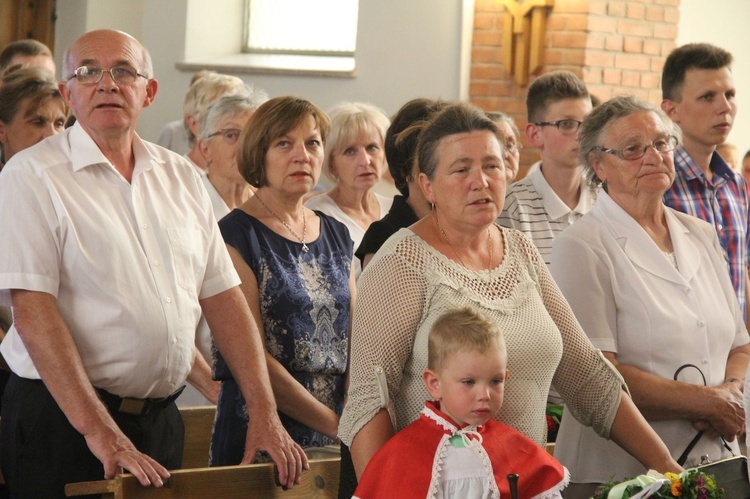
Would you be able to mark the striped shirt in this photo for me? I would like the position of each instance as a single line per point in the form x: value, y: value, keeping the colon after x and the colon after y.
x: 722, y: 202
x: 532, y: 207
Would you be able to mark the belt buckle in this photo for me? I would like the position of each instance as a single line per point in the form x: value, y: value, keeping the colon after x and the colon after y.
x: 133, y: 406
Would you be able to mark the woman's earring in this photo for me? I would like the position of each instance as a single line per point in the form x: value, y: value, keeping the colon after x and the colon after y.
x: 432, y: 206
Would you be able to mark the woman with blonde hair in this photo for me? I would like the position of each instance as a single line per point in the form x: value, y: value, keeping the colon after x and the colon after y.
x: 355, y: 161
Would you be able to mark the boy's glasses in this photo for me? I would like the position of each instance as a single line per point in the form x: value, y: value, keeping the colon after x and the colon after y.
x: 567, y: 126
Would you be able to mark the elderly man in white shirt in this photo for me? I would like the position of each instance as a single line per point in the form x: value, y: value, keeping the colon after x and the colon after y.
x: 113, y: 257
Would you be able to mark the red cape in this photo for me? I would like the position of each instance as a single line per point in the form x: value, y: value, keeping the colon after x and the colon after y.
x: 406, y: 465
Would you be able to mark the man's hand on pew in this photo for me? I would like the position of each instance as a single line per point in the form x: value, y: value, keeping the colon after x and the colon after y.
x: 117, y: 453
x: 270, y: 436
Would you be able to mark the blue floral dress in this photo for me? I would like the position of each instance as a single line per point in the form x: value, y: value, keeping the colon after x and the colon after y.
x: 304, y: 303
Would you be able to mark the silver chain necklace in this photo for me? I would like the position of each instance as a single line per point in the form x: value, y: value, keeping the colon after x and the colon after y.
x: 304, y: 223
x: 445, y: 237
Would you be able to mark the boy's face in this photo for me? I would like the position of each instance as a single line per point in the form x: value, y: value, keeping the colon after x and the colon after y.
x: 707, y: 107
x: 559, y: 148
x: 470, y: 385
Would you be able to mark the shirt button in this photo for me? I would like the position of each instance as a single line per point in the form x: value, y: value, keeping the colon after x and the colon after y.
x: 379, y: 370
x: 687, y: 291
x: 704, y: 361
x: 156, y: 263
x: 145, y: 226
x: 174, y: 340
x: 168, y: 299
x: 701, y: 323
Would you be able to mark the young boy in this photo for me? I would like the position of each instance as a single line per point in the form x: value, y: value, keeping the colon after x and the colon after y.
x: 553, y: 197
x: 455, y: 448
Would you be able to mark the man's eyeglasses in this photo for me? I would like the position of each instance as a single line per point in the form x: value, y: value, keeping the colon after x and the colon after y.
x: 231, y: 135
x: 566, y: 126
x: 637, y: 151
x: 91, y: 75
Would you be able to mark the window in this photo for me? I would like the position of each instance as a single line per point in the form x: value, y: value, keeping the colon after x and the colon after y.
x: 302, y: 27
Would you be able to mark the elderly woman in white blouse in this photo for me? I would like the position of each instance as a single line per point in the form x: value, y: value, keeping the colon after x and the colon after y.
x: 651, y: 289
x: 355, y: 161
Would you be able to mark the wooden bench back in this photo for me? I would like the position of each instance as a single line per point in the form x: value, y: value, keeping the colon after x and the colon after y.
x: 199, y: 422
x: 255, y: 480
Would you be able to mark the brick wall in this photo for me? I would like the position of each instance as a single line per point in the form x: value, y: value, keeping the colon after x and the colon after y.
x: 615, y: 46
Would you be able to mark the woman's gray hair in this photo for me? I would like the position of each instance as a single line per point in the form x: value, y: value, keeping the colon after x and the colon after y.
x: 229, y: 106
x: 595, y: 125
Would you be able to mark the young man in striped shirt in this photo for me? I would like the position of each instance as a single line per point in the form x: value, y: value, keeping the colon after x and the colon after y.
x: 551, y: 198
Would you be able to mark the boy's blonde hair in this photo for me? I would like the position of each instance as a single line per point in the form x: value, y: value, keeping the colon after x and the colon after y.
x: 461, y: 329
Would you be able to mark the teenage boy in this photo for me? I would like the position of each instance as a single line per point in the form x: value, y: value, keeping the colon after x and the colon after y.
x: 699, y: 96
x: 553, y: 197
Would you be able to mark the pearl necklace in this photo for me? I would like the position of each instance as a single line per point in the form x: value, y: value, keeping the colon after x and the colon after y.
x: 445, y: 237
x: 304, y: 223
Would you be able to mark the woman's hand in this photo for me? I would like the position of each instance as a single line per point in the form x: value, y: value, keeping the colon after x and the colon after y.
x: 728, y: 413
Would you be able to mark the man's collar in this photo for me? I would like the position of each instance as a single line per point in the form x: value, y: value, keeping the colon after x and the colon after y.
x: 85, y: 152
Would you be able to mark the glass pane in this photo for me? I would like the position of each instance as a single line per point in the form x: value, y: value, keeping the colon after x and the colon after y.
x: 303, y: 25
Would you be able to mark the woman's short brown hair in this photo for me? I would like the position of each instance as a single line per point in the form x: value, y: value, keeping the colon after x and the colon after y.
x: 270, y: 121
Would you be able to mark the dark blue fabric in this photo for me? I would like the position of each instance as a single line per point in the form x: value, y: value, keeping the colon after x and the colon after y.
x: 305, y: 302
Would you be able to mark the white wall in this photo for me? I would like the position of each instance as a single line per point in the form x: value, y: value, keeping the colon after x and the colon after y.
x: 405, y: 49
x: 724, y: 23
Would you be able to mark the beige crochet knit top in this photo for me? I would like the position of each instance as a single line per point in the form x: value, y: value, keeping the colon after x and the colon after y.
x: 409, y: 284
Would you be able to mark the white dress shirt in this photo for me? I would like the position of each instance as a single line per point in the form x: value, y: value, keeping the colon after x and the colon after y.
x: 127, y: 262
x: 632, y: 301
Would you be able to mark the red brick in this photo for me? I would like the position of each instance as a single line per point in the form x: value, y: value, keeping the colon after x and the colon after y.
x: 616, y: 9
x: 654, y: 97
x: 488, y: 6
x: 575, y: 57
x: 575, y: 39
x: 598, y: 6
x: 611, y: 76
x: 634, y: 28
x: 486, y: 71
x: 603, y: 24
x: 577, y: 22
x: 631, y: 79
x: 671, y: 15
x: 553, y: 55
x: 573, y: 6
x: 479, y: 88
x: 499, y: 89
x: 602, y: 59
x: 604, y: 92
x: 486, y: 54
x: 592, y: 76
x: 486, y: 20
x: 595, y: 41
x: 636, y: 11
x: 489, y: 38
x: 635, y: 62
x: 652, y: 47
x: 665, y: 31
x: 657, y: 64
x: 654, y: 13
x: 614, y: 43
x: 556, y: 22
x: 650, y: 80
x: 639, y: 93
x: 633, y: 45
x: 667, y: 47
x: 674, y: 3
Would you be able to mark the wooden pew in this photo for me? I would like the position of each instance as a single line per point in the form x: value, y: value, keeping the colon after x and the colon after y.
x: 255, y: 480
x: 198, y: 424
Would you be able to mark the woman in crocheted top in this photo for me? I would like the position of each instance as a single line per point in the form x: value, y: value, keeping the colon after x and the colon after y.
x: 458, y: 256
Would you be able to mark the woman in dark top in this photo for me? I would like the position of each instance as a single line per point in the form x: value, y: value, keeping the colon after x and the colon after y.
x: 295, y: 266
x: 410, y: 206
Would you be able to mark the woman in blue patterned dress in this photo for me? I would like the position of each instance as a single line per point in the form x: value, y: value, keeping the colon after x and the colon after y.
x: 295, y: 266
